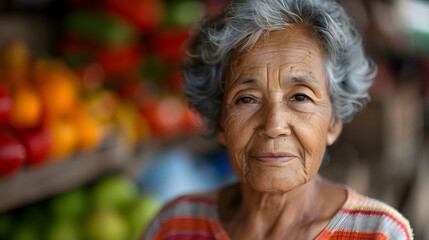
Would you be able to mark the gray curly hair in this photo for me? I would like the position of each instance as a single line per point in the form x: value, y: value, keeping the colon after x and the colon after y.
x: 349, y: 71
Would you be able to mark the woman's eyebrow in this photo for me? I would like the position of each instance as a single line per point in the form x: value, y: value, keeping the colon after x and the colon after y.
x: 246, y: 81
x: 301, y: 79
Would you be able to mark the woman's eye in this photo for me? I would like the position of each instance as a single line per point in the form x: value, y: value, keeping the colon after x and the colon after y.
x: 246, y: 100
x: 300, y: 97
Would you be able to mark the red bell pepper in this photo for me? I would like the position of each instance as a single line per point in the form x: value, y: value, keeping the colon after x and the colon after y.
x: 147, y: 15
x: 168, y: 44
x: 119, y: 60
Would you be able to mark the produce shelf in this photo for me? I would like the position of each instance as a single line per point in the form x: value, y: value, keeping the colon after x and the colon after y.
x: 34, y: 184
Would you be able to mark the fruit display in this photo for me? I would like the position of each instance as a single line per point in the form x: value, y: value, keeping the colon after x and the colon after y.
x: 117, y: 70
x: 116, y: 74
x: 136, y: 47
x: 109, y: 209
x: 43, y: 110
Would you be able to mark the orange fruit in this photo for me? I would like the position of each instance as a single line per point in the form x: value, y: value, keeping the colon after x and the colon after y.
x: 65, y: 138
x: 88, y: 131
x: 58, y: 91
x: 26, y: 108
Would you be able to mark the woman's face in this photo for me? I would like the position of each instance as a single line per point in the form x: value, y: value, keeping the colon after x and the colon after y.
x: 276, y: 116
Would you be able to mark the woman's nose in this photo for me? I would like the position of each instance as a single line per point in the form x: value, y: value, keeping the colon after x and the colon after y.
x: 275, y: 121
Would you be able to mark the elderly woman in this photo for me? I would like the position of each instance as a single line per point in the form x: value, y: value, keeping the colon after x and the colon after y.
x: 275, y: 80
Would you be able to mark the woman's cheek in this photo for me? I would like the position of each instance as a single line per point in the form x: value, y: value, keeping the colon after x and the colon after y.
x: 238, y: 133
x: 235, y: 125
x: 311, y: 136
x: 238, y: 125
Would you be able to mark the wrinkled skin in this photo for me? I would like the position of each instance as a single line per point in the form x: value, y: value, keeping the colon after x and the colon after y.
x: 276, y: 122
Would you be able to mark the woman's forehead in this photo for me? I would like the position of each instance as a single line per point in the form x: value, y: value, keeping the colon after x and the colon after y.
x: 281, y: 50
x: 293, y: 36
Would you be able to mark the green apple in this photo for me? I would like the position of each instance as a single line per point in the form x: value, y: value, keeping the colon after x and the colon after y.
x: 140, y: 213
x: 183, y: 12
x: 25, y: 231
x: 106, y: 224
x: 6, y: 224
x: 64, y: 230
x: 114, y: 191
x: 71, y: 205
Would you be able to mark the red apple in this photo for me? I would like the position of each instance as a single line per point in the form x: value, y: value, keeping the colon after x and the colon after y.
x: 165, y: 115
x: 5, y: 105
x: 37, y: 143
x: 12, y: 154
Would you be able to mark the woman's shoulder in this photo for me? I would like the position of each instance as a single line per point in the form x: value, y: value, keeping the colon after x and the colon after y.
x: 191, y: 214
x: 363, y: 216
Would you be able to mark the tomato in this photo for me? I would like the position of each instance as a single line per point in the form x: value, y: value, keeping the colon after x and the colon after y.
x: 12, y: 154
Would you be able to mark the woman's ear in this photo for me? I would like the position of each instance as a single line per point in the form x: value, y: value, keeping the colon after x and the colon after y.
x: 220, y: 134
x: 334, y: 130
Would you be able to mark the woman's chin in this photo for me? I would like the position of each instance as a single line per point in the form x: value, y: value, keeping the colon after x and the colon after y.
x: 275, y: 185
x: 275, y: 180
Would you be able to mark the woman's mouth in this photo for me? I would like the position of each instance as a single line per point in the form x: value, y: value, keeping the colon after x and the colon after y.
x: 275, y: 158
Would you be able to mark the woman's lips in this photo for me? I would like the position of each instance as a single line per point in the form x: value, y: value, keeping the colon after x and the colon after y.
x: 275, y: 157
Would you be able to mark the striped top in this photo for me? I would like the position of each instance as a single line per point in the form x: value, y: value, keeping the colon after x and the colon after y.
x: 360, y: 217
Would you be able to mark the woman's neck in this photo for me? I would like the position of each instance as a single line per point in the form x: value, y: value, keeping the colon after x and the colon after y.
x: 261, y: 214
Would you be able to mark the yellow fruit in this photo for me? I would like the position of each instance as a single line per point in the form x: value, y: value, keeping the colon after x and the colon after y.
x: 128, y: 123
x: 144, y: 128
x: 65, y: 138
x: 88, y: 131
x: 101, y: 106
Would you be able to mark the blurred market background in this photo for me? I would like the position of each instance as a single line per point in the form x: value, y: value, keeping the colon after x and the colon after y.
x: 96, y: 135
